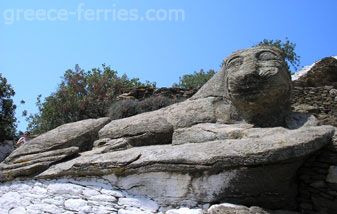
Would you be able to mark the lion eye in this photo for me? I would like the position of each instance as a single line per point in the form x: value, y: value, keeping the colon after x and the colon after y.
x: 237, y: 61
x: 265, y: 56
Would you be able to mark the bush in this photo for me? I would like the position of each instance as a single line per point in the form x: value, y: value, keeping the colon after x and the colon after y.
x: 195, y: 80
x: 7, y: 110
x: 80, y: 95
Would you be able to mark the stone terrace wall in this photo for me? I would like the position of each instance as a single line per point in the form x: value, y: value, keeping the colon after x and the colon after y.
x: 319, y: 101
x: 318, y: 175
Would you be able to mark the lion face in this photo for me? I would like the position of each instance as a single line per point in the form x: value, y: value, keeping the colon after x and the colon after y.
x: 257, y: 79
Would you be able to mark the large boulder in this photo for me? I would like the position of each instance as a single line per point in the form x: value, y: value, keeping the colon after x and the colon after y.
x: 55, y: 145
x: 322, y: 73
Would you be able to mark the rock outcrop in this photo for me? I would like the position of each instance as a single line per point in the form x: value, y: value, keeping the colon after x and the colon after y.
x: 236, y: 163
x: 56, y: 145
x: 322, y: 73
x: 234, y: 141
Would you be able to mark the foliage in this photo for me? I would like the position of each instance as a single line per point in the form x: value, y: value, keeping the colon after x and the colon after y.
x: 81, y: 95
x: 7, y: 110
x: 195, y: 80
x: 127, y: 108
x: 287, y: 47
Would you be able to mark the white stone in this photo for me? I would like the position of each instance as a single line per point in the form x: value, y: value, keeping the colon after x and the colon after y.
x: 90, y: 192
x: 21, y: 187
x: 38, y: 190
x: 214, y: 207
x: 100, y: 203
x: 9, y: 200
x: 86, y: 209
x: 105, y: 198
x: 53, y: 201
x: 64, y: 188
x: 18, y: 210
x: 32, y: 196
x: 185, y: 210
x: 114, y: 193
x: 142, y: 203
x: 75, y: 204
x: 104, y: 210
x: 43, y: 208
x: 332, y: 176
x: 133, y: 210
x: 25, y: 202
x: 333, y: 92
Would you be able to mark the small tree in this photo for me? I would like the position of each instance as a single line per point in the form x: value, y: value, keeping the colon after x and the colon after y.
x: 287, y: 47
x: 81, y: 95
x: 195, y: 80
x: 7, y: 110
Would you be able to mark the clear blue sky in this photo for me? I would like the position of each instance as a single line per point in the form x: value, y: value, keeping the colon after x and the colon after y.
x: 41, y: 39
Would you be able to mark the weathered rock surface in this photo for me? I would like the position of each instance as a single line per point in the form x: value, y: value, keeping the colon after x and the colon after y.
x: 234, y: 163
x: 323, y: 73
x: 53, y: 146
x: 94, y: 195
x: 318, y: 181
x: 213, y: 147
x: 318, y: 101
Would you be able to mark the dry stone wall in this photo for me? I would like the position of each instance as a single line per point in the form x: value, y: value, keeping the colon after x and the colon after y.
x: 319, y: 101
x: 318, y: 176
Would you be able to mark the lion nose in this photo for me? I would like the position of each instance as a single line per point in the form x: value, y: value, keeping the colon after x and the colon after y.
x: 249, y: 72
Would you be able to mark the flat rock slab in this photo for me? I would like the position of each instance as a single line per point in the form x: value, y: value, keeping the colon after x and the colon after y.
x: 50, y: 147
x: 257, y: 146
x: 253, y: 166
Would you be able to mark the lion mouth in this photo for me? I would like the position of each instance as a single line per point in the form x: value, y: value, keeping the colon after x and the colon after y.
x: 246, y: 89
x: 245, y: 92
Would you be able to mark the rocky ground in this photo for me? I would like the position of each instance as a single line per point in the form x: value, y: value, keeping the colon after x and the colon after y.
x: 95, y: 196
x: 66, y: 196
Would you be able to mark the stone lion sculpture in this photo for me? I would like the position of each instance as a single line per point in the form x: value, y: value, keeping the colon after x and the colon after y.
x: 253, y: 87
x: 235, y: 140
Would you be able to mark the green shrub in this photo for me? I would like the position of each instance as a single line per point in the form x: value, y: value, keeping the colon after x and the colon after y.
x: 7, y: 110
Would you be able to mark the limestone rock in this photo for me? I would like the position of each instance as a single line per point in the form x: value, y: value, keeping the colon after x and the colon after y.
x: 53, y: 146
